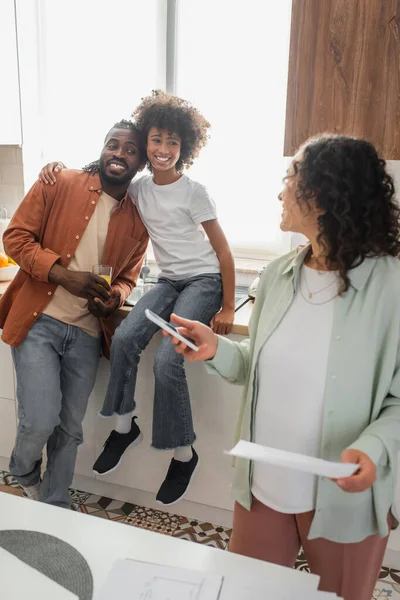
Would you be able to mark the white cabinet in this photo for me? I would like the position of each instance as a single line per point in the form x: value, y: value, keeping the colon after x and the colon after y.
x: 10, y: 114
x: 8, y: 427
x: 7, y: 389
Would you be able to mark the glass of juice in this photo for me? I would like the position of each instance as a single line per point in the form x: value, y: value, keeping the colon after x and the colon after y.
x: 103, y: 271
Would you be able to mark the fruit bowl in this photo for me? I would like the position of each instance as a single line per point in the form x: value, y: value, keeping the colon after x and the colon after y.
x: 8, y: 273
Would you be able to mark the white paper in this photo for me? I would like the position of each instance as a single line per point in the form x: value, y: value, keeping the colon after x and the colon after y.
x: 267, y: 590
x: 134, y: 580
x: 19, y: 581
x: 290, y: 460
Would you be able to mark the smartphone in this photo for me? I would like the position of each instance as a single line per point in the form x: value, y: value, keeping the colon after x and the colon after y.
x: 171, y: 329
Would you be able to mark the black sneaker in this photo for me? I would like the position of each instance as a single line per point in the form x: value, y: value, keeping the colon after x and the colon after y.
x: 114, y: 448
x: 177, y: 481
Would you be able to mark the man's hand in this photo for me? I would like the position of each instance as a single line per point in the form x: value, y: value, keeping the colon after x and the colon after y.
x: 365, y: 476
x: 102, y: 310
x: 79, y: 283
x: 222, y: 322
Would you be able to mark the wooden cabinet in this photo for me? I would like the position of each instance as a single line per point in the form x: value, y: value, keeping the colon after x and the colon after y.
x: 344, y: 72
x: 10, y: 116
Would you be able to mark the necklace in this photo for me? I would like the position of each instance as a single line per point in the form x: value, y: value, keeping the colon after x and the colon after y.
x: 318, y: 303
x: 307, y: 297
x: 311, y: 294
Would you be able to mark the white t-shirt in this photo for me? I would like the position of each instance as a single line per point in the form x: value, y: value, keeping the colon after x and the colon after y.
x: 66, y: 307
x: 290, y: 406
x: 173, y: 215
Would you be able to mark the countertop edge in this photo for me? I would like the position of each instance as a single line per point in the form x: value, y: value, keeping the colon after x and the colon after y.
x: 240, y: 325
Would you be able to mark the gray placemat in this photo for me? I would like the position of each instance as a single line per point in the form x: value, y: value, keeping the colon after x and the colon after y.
x: 51, y: 556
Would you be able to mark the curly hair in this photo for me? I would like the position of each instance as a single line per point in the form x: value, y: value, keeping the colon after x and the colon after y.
x: 174, y: 114
x: 348, y: 182
x: 94, y: 166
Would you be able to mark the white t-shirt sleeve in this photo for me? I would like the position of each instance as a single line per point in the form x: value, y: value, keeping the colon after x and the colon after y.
x: 133, y: 190
x: 202, y: 207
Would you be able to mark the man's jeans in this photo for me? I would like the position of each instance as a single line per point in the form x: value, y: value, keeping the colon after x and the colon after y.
x: 197, y: 298
x: 56, y: 368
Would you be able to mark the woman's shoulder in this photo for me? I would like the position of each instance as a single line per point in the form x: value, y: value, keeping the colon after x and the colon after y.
x: 387, y: 270
x: 279, y: 265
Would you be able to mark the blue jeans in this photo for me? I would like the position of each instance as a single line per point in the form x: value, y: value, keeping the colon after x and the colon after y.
x: 56, y: 368
x: 197, y: 298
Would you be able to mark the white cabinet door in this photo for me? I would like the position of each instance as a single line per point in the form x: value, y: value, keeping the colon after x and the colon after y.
x: 8, y: 427
x: 6, y: 373
x: 10, y: 117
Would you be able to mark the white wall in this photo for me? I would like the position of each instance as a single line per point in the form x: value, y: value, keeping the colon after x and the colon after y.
x: 393, y: 167
x: 11, y: 177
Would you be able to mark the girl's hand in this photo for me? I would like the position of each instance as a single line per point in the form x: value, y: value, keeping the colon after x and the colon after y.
x: 222, y: 322
x: 47, y: 176
x: 365, y: 476
x: 202, y: 336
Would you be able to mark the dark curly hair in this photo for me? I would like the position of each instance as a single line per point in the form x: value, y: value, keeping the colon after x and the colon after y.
x: 174, y: 114
x: 348, y: 181
x: 94, y: 166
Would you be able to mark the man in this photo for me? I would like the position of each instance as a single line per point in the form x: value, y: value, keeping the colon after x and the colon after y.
x: 50, y: 312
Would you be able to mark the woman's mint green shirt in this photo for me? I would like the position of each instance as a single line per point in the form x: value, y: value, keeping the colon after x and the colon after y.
x: 362, y: 391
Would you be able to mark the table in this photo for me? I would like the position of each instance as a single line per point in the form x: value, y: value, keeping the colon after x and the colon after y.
x: 102, y: 542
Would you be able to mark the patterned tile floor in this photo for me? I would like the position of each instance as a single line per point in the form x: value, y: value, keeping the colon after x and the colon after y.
x: 388, y: 586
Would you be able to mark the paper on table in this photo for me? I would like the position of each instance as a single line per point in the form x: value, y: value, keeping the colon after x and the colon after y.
x: 134, y: 580
x: 233, y: 590
x: 299, y: 462
x: 19, y: 580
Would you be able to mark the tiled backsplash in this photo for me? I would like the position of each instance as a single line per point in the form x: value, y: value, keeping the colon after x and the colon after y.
x: 11, y: 177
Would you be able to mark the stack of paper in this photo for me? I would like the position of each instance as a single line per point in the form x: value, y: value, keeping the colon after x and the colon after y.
x: 134, y: 580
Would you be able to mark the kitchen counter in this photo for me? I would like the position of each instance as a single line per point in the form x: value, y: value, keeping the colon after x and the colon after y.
x: 240, y: 325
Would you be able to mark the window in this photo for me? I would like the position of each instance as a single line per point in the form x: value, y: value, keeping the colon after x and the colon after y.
x: 96, y: 59
x: 232, y: 62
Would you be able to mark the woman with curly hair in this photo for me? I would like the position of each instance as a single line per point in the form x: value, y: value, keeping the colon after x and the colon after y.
x: 321, y: 372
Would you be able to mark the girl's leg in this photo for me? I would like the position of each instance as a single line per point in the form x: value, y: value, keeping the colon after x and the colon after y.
x: 128, y: 342
x: 130, y: 339
x: 199, y: 299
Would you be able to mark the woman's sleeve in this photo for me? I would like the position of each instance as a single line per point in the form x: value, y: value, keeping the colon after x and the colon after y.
x: 231, y: 361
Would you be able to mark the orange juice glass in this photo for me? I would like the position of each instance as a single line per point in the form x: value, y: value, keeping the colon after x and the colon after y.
x: 103, y: 271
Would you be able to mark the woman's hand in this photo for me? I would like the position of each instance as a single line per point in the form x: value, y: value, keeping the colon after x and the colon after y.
x: 202, y: 336
x: 365, y: 476
x: 222, y: 322
x: 47, y: 176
